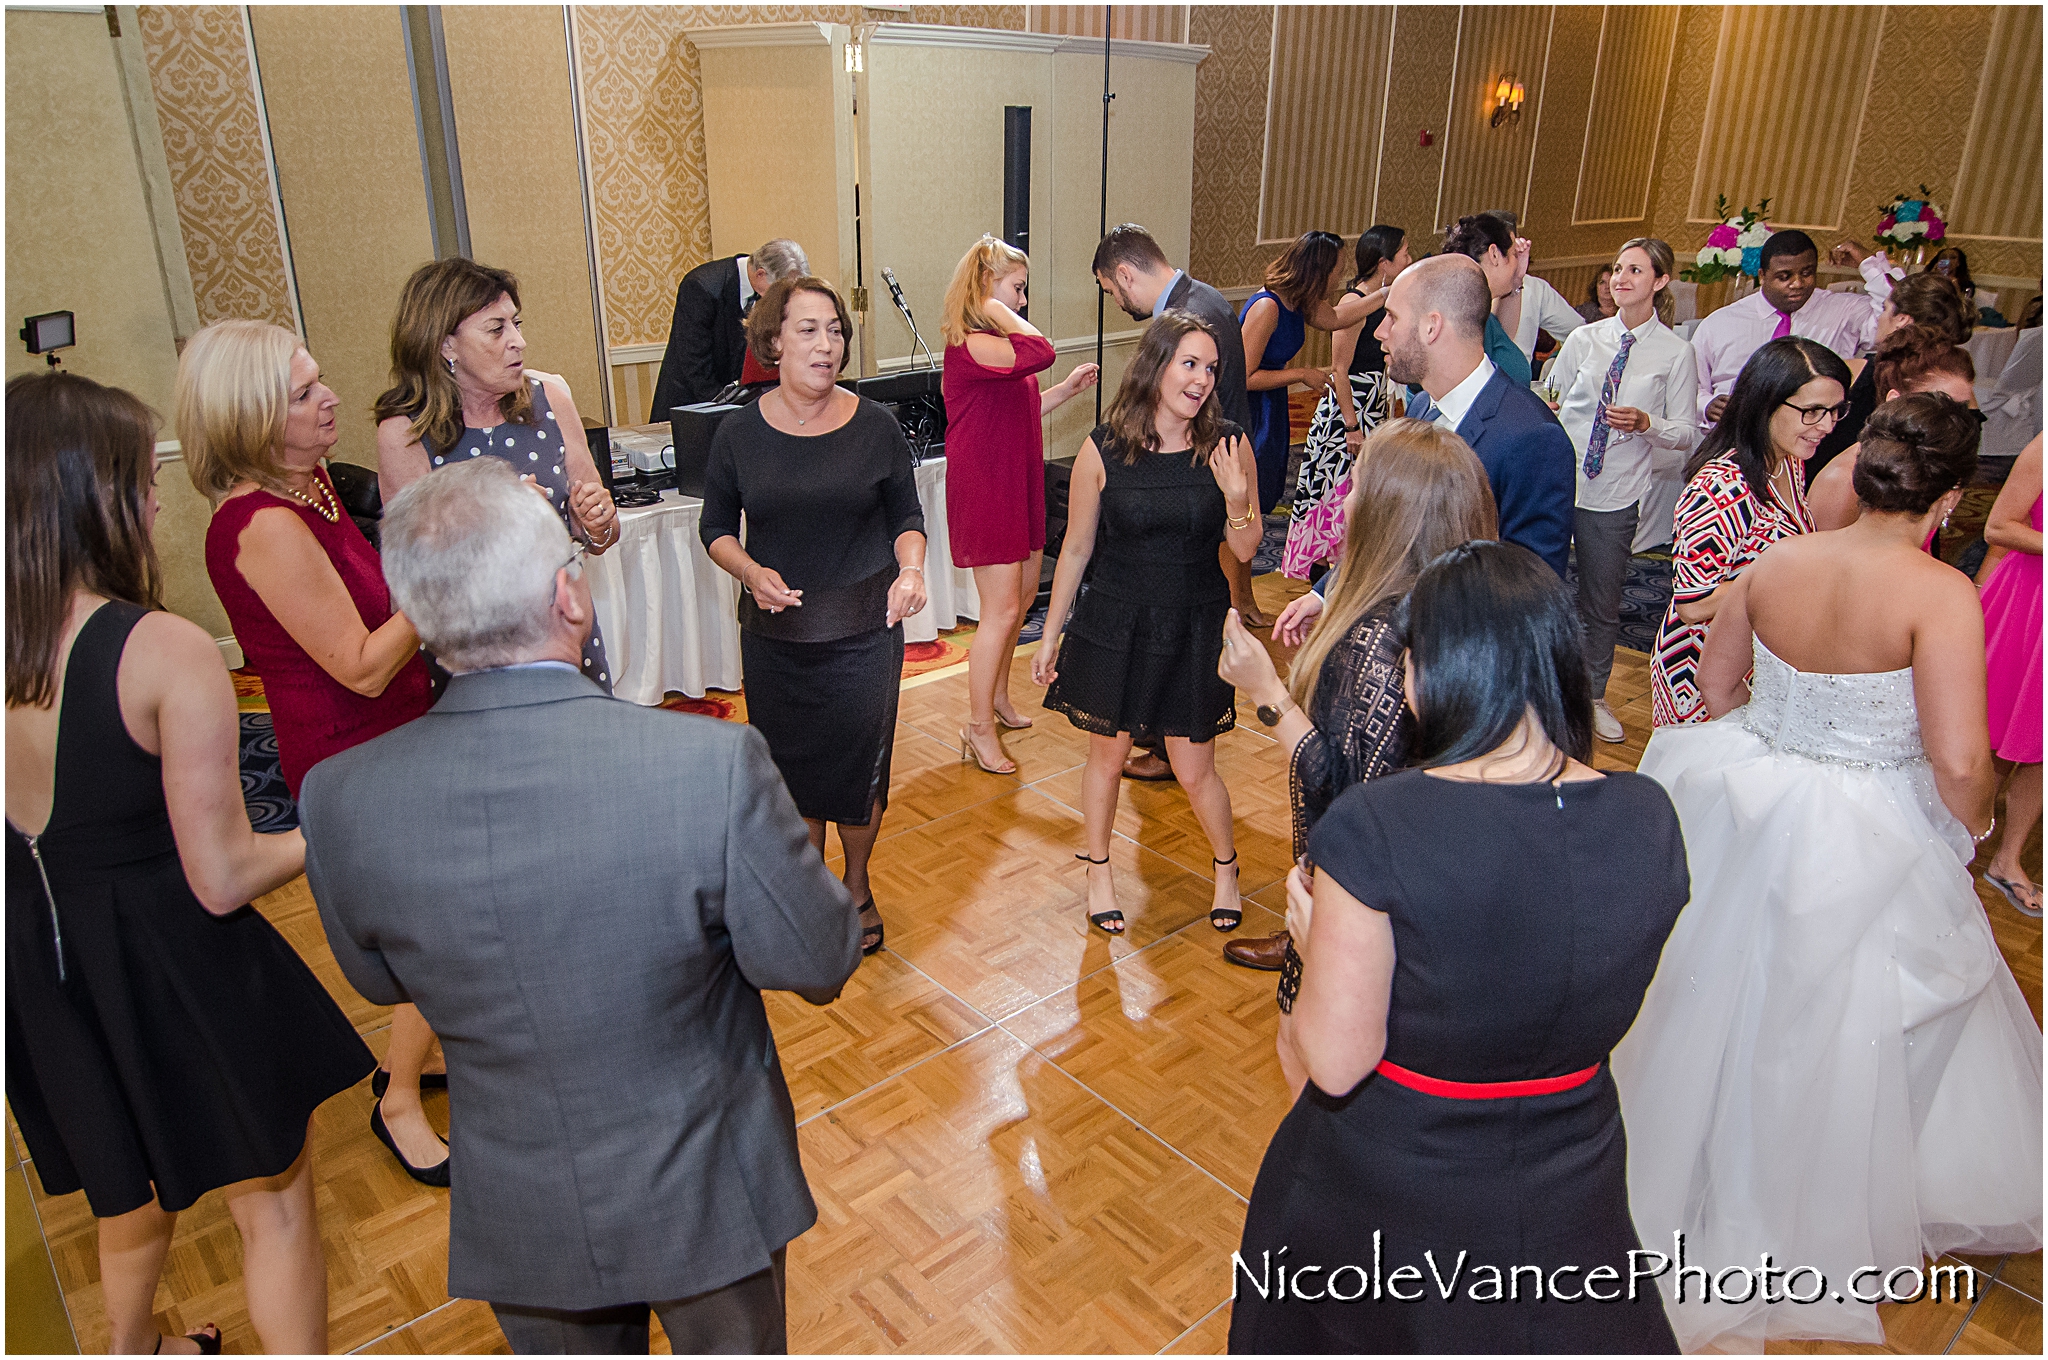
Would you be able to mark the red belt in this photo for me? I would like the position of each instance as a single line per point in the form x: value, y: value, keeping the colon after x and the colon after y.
x: 1485, y: 1090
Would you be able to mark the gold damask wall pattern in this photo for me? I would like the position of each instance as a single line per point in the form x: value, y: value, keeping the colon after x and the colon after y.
x: 1230, y: 131
x: 1998, y: 194
x: 213, y: 140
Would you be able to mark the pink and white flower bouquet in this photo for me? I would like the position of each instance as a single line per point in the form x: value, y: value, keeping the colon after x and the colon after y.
x: 1909, y: 223
x: 1733, y: 248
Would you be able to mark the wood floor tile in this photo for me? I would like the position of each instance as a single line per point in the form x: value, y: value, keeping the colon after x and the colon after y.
x: 292, y: 910
x: 991, y: 903
x: 1210, y: 1336
x: 1179, y: 1040
x: 462, y: 1327
x: 2006, y: 1322
x: 889, y: 1017
x: 2023, y: 1273
x: 984, y: 1200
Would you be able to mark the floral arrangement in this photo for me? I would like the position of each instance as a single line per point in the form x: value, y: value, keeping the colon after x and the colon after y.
x: 1734, y: 247
x: 1910, y: 222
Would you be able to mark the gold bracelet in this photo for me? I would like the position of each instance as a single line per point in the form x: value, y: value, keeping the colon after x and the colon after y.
x: 1250, y: 514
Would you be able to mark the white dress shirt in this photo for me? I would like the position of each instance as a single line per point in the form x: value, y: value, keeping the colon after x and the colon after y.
x: 1543, y: 308
x: 1451, y: 410
x: 746, y: 282
x: 1845, y: 322
x: 1660, y: 381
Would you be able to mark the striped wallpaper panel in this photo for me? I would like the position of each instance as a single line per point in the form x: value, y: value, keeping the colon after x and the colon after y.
x: 1629, y: 77
x: 1323, y: 119
x: 1137, y: 23
x: 633, y: 391
x: 1785, y: 109
x: 1998, y: 190
x: 1484, y: 166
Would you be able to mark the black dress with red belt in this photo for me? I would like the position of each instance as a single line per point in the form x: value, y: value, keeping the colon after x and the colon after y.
x: 1528, y: 920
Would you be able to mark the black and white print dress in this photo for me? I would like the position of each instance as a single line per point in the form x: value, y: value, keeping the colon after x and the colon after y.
x: 1324, y: 459
x: 535, y: 451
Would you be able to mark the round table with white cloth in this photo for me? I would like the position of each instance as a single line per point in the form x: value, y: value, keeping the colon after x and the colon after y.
x: 670, y: 615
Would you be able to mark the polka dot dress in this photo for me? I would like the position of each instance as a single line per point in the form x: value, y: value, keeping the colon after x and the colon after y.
x: 536, y: 451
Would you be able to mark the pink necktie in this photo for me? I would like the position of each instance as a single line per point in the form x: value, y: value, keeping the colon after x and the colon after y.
x: 1784, y: 326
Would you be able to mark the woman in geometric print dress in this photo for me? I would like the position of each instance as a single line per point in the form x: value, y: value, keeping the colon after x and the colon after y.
x: 1743, y: 492
x: 461, y: 389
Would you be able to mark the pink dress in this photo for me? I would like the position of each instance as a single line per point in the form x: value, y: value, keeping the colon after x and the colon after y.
x: 2012, y: 653
x: 995, y: 455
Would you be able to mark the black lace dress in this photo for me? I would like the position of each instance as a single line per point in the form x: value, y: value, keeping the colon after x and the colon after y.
x: 1362, y: 727
x: 1139, y: 653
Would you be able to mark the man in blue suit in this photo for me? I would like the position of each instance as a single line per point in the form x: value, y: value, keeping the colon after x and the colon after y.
x: 1435, y: 338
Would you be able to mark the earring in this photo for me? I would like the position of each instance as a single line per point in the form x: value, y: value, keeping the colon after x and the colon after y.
x: 451, y: 365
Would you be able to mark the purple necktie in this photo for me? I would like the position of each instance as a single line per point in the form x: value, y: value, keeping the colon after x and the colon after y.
x: 1784, y: 326
x: 1596, y: 442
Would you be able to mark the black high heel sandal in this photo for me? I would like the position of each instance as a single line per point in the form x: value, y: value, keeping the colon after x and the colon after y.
x: 208, y: 1345
x: 1104, y: 920
x: 1225, y: 919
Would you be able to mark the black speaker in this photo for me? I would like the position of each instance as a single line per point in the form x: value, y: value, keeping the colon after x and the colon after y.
x: 1017, y: 176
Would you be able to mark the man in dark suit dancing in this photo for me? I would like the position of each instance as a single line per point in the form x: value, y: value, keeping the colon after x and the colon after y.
x: 707, y: 338
x: 622, y: 1137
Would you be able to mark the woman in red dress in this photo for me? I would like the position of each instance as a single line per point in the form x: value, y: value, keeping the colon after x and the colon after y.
x: 995, y: 471
x: 305, y: 594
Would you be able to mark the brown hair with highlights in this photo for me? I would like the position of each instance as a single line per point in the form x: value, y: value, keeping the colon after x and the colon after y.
x: 435, y: 300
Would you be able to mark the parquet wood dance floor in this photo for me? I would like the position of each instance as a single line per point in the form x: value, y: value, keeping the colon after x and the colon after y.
x: 1022, y: 1135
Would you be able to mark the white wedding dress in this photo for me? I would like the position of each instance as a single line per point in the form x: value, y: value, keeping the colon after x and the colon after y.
x: 1833, y: 1064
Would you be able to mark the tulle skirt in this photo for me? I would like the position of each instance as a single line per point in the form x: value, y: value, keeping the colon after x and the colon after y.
x: 1833, y: 1064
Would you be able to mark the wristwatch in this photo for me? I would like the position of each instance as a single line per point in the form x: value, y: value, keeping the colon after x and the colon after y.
x: 1270, y: 716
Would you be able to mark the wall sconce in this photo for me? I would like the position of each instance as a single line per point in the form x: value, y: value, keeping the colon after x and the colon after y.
x: 1507, y: 100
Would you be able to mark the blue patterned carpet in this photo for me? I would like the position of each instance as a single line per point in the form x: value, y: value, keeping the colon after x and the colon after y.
x: 270, y: 805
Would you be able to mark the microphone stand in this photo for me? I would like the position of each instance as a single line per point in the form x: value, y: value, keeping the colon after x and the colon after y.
x: 904, y: 308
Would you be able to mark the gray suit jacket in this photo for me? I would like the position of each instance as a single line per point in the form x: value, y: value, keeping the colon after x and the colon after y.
x: 585, y: 899
x: 1191, y: 294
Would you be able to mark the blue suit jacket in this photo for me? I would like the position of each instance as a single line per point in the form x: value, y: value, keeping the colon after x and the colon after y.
x: 1529, y: 459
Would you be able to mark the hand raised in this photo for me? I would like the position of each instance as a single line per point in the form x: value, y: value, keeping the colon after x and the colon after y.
x: 1243, y: 662
x: 1291, y: 629
x: 1232, y: 467
x: 765, y: 585
x: 1083, y: 377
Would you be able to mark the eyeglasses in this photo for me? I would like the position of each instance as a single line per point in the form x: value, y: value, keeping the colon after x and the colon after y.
x: 1812, y: 415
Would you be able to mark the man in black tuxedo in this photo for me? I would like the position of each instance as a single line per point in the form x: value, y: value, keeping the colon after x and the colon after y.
x: 707, y: 339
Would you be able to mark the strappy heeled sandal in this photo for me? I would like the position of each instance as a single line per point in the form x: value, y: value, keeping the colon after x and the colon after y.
x: 969, y: 751
x: 208, y: 1345
x: 1109, y: 922
x: 1226, y: 919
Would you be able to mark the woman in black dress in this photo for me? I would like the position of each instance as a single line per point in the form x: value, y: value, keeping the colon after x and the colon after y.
x: 1420, y: 491
x: 162, y: 1038
x: 1481, y: 933
x: 1159, y: 485
x: 1925, y: 303
x: 832, y: 565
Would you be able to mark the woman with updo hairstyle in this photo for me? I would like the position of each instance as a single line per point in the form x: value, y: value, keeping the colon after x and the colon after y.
x: 1872, y: 1086
x: 163, y: 1039
x: 1477, y: 938
x: 1486, y: 239
x: 995, y: 471
x: 1912, y: 358
x: 461, y: 389
x: 1924, y: 305
x: 832, y: 565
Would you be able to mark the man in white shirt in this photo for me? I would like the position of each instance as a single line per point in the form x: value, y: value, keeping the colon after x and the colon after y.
x: 1627, y: 386
x: 1788, y: 301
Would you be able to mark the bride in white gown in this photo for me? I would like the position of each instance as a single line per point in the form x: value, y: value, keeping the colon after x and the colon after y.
x: 1834, y: 1064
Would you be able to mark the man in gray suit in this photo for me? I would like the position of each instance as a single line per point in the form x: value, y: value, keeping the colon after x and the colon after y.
x: 585, y: 899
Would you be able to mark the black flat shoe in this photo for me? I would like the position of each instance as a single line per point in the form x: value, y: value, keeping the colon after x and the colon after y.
x: 867, y: 945
x: 436, y: 1176
x: 380, y: 1082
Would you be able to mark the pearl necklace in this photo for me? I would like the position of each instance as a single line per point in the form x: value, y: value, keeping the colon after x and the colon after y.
x: 326, y: 507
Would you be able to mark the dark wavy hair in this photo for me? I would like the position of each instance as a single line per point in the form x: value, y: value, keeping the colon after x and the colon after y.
x: 1471, y: 235
x: 80, y: 461
x: 1767, y: 382
x: 1935, y: 303
x: 1494, y: 634
x: 1911, y: 356
x: 435, y: 300
x: 1375, y: 244
x: 1300, y: 277
x: 1915, y: 450
x: 1129, y: 416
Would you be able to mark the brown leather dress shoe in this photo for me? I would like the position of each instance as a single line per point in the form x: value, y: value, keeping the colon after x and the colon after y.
x: 1150, y: 768
x: 1264, y: 955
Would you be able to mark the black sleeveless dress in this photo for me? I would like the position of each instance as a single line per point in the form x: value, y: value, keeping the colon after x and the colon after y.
x: 1140, y: 649
x: 148, y: 1040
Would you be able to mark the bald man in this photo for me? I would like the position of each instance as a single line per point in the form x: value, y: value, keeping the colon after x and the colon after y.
x: 1435, y: 338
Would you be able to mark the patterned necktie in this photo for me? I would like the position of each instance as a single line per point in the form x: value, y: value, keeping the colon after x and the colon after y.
x: 1784, y: 326
x: 1596, y: 442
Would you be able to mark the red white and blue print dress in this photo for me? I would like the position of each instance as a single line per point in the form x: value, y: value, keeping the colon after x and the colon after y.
x: 1721, y: 526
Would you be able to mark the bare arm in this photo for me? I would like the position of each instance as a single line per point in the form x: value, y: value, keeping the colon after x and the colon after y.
x: 1249, y: 667
x: 1343, y: 349
x: 2011, y: 522
x: 1339, y: 1032
x: 1948, y: 691
x: 590, y: 505
x: 284, y: 564
x: 1349, y: 309
x: 180, y: 705
x: 1831, y: 500
x: 1084, y: 504
x: 401, y: 459
x: 1257, y: 330
x: 1237, y: 477
x: 1726, y: 659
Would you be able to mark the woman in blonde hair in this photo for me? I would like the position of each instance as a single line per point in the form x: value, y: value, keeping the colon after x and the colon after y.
x: 1418, y: 492
x: 306, y: 597
x: 461, y: 389
x: 1628, y: 390
x: 995, y: 471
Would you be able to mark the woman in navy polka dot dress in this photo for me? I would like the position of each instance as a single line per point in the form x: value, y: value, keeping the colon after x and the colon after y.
x: 461, y: 390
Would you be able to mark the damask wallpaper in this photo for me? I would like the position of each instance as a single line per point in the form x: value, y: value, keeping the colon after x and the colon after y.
x: 643, y: 102
x: 213, y: 139
x: 1230, y: 133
